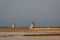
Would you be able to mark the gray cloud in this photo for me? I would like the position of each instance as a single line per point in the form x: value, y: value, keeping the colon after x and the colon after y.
x: 43, y: 12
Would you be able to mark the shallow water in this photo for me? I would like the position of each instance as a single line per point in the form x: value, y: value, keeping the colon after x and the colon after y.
x: 57, y: 37
x: 33, y: 32
x: 31, y: 38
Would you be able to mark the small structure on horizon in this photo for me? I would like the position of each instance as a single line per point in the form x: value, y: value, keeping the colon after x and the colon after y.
x: 32, y: 25
x: 13, y: 26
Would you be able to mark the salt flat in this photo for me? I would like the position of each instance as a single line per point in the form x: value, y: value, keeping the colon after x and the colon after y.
x: 31, y: 38
x: 29, y: 33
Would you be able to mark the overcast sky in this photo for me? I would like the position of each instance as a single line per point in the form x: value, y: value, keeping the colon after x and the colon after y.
x: 23, y: 12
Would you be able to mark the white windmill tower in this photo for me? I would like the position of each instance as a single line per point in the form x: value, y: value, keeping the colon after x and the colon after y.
x: 13, y: 26
x: 32, y: 25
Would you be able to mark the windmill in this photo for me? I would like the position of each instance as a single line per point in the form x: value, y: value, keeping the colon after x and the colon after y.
x: 13, y: 26
x: 32, y: 25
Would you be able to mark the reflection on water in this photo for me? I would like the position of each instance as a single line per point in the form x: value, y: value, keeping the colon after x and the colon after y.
x: 32, y: 32
x: 31, y: 38
x: 56, y: 37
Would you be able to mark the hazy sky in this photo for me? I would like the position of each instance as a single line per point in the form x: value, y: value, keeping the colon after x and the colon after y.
x: 23, y: 12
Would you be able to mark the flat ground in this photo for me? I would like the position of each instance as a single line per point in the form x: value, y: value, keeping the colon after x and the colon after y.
x: 24, y: 29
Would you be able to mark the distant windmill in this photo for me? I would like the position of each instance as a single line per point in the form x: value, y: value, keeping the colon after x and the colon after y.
x: 32, y: 25
x: 13, y: 26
